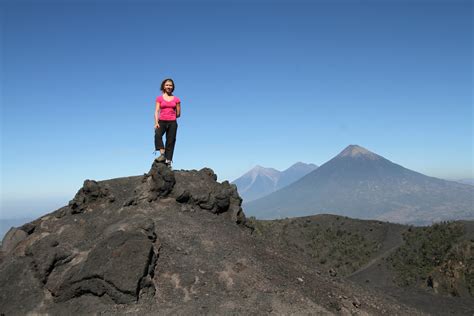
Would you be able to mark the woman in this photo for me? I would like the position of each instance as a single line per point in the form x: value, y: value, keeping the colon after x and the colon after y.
x: 168, y: 109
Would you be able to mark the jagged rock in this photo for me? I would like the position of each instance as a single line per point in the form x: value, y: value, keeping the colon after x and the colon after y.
x: 201, y: 189
x: 208, y: 172
x: 62, y: 212
x: 46, y: 256
x: 90, y: 193
x: 183, y: 196
x: 118, y: 266
x: 12, y: 238
x: 29, y: 228
x: 157, y: 183
x: 20, y: 290
x: 163, y: 179
x: 130, y: 201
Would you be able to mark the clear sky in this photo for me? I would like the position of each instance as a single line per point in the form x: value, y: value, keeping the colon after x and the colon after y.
x: 261, y: 82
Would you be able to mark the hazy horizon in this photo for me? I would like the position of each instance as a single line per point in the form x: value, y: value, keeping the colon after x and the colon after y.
x: 34, y: 206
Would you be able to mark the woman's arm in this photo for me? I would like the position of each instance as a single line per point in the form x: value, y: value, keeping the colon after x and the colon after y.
x: 178, y: 109
x: 157, y: 114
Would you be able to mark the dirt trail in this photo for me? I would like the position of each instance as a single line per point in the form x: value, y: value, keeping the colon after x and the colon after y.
x: 392, y: 241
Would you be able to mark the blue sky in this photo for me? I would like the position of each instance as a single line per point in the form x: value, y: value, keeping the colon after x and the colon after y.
x: 260, y: 83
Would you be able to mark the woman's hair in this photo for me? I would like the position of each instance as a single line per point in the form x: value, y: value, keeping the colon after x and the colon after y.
x: 163, y: 84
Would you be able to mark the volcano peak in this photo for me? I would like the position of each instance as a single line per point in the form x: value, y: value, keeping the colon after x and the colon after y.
x: 358, y: 151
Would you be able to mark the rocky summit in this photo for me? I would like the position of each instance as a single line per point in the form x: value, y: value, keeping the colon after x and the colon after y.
x: 167, y: 242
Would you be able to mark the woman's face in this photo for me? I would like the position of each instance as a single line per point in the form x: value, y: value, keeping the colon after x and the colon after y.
x: 168, y: 87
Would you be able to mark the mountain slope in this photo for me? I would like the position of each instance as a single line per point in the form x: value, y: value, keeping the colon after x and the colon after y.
x: 167, y: 242
x: 469, y: 181
x: 294, y: 173
x: 260, y: 181
x: 257, y: 182
x: 430, y: 268
x: 362, y: 184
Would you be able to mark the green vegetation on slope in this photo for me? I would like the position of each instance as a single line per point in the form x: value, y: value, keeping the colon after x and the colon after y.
x: 437, y: 257
x: 335, y: 243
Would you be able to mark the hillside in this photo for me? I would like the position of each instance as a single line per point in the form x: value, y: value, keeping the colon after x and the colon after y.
x: 167, y: 242
x: 431, y: 268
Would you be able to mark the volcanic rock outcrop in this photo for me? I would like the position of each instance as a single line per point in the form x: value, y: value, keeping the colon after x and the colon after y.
x: 165, y: 242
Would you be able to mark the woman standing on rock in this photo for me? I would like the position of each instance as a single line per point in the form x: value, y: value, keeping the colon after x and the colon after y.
x: 168, y: 109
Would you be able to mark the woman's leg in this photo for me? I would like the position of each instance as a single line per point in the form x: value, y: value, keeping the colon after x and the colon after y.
x: 159, y: 138
x: 171, y: 139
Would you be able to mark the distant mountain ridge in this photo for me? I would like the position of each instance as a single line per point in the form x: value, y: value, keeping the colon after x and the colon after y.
x: 261, y: 181
x: 361, y: 184
x: 469, y: 181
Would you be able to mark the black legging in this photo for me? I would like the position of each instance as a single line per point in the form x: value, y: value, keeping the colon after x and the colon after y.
x: 170, y: 128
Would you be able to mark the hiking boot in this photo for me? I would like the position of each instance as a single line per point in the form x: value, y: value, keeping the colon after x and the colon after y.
x: 161, y: 158
x: 168, y: 163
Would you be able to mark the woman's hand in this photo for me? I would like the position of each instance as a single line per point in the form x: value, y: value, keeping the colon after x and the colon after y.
x: 157, y: 125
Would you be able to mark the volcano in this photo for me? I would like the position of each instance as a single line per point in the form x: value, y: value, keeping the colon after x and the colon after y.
x: 361, y: 184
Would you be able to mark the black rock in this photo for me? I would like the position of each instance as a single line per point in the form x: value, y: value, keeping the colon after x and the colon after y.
x: 89, y: 196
